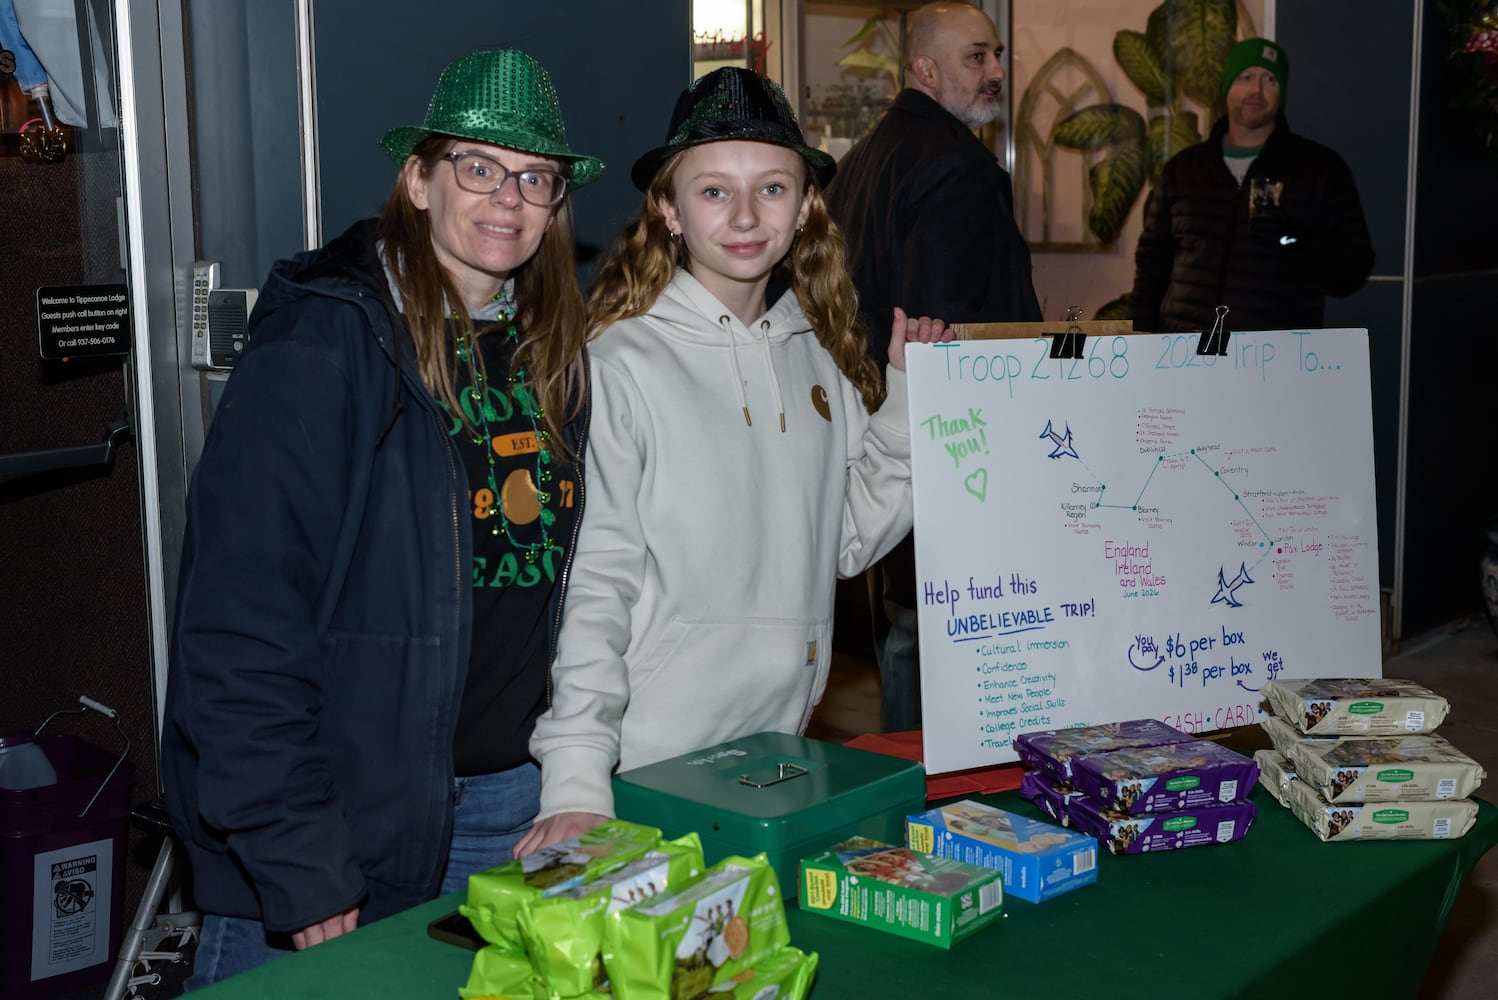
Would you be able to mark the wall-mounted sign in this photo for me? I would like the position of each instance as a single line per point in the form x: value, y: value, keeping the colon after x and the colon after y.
x: 82, y: 321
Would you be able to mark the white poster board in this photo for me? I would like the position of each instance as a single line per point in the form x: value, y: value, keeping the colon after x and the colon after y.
x: 1142, y: 532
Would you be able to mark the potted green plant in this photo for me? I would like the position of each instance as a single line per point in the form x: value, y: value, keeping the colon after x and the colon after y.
x: 1176, y: 63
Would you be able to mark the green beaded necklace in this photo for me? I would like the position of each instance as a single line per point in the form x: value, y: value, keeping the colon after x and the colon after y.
x: 520, y: 390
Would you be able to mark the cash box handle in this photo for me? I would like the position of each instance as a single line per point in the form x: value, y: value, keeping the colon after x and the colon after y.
x: 784, y: 772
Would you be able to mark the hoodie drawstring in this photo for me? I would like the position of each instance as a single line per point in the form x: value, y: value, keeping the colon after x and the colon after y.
x: 726, y: 322
x: 764, y: 329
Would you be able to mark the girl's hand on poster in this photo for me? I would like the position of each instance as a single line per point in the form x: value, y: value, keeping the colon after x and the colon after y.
x: 554, y: 829
x: 908, y: 329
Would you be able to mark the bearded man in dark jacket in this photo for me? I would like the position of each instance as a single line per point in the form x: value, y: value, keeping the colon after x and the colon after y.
x: 929, y: 217
x: 1256, y: 218
x: 927, y: 210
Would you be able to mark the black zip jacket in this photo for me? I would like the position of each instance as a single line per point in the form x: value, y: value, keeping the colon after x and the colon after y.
x: 1199, y: 249
x: 929, y: 218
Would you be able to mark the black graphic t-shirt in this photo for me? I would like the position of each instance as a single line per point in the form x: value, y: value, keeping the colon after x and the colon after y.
x: 514, y: 568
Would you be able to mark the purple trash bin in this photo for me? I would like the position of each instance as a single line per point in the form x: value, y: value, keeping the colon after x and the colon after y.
x: 62, y: 874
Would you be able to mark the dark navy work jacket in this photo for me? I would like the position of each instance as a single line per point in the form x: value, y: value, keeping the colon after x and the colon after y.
x: 323, y: 620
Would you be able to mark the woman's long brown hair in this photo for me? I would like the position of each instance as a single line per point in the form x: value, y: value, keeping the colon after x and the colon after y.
x: 550, y: 315
x: 643, y: 259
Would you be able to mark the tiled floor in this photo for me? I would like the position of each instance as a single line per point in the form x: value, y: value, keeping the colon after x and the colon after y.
x: 1459, y: 662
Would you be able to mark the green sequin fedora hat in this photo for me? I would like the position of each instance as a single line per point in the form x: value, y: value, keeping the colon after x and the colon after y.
x: 732, y: 103
x: 501, y: 97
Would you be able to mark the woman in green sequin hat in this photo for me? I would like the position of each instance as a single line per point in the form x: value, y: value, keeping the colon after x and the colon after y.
x: 744, y: 452
x: 378, y: 536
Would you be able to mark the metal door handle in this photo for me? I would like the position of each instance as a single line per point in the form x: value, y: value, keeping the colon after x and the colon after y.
x: 30, y: 463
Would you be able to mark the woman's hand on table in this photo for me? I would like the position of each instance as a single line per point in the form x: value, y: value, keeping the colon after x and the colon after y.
x: 335, y: 926
x: 553, y: 829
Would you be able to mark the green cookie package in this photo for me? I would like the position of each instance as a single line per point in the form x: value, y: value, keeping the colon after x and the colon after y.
x: 499, y: 975
x: 710, y: 936
x: 785, y: 975
x: 495, y: 897
x: 564, y: 933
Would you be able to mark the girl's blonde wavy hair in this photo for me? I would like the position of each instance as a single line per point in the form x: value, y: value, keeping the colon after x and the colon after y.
x: 643, y: 259
x: 549, y: 305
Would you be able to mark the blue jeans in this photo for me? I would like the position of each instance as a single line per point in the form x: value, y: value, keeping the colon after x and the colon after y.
x: 899, y: 656
x: 892, y: 596
x: 228, y: 946
x: 491, y: 812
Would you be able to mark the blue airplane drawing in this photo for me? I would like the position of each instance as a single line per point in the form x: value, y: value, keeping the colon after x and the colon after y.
x: 1227, y: 592
x: 1064, y: 447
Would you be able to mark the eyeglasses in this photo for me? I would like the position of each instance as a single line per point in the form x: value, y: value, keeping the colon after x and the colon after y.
x: 481, y: 175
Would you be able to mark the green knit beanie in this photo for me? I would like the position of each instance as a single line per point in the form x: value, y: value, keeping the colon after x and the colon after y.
x: 1256, y: 52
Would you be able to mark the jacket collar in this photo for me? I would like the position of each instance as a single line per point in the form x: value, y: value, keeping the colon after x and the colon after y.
x: 915, y: 102
x: 348, y: 267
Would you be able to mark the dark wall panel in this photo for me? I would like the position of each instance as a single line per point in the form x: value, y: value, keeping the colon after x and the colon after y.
x: 1458, y: 215
x: 1377, y: 308
x: 617, y: 71
x: 1350, y: 73
x: 616, y: 68
x: 1335, y: 99
x: 1453, y: 488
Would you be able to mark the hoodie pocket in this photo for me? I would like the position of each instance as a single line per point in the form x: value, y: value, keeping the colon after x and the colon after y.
x: 706, y: 680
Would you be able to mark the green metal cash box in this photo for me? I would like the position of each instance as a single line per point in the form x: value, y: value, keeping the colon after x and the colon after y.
x: 787, y: 796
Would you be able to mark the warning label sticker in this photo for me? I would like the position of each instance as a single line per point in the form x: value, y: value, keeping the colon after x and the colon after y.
x: 70, y: 908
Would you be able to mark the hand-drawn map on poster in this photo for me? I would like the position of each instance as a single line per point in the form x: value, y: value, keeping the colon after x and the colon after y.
x: 1142, y: 532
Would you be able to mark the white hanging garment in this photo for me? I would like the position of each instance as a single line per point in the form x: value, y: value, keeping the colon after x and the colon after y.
x: 50, y: 28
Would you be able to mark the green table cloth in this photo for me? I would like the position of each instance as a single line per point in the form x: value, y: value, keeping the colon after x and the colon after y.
x: 1273, y: 913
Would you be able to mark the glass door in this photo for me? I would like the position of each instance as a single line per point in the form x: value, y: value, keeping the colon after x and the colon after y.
x: 732, y: 33
x: 96, y: 202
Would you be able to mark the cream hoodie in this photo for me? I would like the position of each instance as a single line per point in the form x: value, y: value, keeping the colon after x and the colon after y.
x: 733, y: 473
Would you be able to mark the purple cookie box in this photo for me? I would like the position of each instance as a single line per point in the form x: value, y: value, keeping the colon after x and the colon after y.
x: 1051, y: 751
x: 1143, y: 780
x: 1166, y: 831
x: 1046, y: 796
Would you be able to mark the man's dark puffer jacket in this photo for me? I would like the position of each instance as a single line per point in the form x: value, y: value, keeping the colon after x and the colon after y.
x: 1199, y: 249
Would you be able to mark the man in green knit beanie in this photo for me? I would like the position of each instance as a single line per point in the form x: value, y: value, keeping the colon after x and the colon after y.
x: 1255, y: 73
x: 1260, y: 52
x: 1256, y: 218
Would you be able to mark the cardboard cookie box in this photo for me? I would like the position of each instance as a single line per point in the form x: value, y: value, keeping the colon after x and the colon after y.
x: 1052, y: 798
x: 1429, y: 820
x: 1141, y: 780
x: 895, y: 889
x: 1052, y: 752
x: 1037, y: 860
x: 1354, y: 706
x: 1197, y: 826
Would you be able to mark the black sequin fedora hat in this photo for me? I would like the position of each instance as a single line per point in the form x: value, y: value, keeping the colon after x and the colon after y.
x: 503, y: 97
x: 732, y: 103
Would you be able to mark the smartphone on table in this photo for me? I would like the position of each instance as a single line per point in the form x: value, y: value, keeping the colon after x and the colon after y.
x: 455, y: 929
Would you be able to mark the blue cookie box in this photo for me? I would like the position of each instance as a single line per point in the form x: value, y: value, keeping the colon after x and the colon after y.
x: 1060, y: 862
